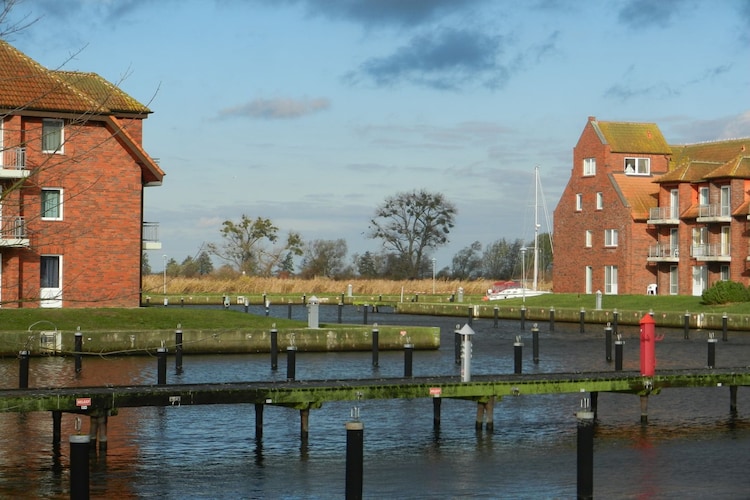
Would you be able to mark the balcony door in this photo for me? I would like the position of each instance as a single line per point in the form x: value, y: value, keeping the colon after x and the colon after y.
x: 700, y: 279
x: 50, y: 273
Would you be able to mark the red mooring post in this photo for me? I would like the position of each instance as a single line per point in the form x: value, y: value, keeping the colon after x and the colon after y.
x: 648, y: 346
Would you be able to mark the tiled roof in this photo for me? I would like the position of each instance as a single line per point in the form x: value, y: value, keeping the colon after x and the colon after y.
x: 626, y: 137
x: 27, y: 85
x: 717, y: 151
x: 694, y: 171
x: 638, y: 192
x: 738, y: 167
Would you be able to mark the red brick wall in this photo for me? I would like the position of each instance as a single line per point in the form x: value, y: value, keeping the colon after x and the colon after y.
x: 99, y: 237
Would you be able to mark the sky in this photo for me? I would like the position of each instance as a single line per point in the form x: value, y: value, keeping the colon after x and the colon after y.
x: 312, y: 112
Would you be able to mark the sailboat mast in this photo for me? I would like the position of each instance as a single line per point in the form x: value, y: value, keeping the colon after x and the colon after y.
x: 536, y: 225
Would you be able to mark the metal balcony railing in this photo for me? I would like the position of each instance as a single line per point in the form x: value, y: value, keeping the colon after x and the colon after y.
x: 713, y: 210
x: 710, y: 250
x: 14, y: 158
x: 13, y: 228
x: 661, y: 214
x: 663, y: 251
x: 150, y: 231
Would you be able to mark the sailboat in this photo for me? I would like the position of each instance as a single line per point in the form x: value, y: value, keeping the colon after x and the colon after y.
x: 513, y: 289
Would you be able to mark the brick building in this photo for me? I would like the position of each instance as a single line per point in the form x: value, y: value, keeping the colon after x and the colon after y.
x: 637, y: 212
x: 72, y: 175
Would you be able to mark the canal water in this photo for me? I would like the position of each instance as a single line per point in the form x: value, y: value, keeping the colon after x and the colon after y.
x: 692, y: 446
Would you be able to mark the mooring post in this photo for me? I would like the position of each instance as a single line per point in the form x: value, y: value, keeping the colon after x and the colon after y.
x: 618, y: 352
x: 259, y: 421
x: 102, y: 432
x: 436, y: 402
x: 517, y: 355
x: 78, y: 348
x: 364, y: 315
x: 594, y: 403
x: 535, y: 342
x: 354, y: 459
x: 375, y: 342
x: 686, y: 325
x: 161, y: 359
x: 178, y: 348
x: 79, y: 467
x: 711, y: 350
x: 724, y: 325
x: 408, y: 357
x: 733, y: 399
x: 340, y: 310
x: 480, y: 416
x: 247, y: 304
x: 457, y: 344
x: 552, y: 319
x: 274, y: 347
x: 496, y: 316
x: 523, y: 317
x: 304, y: 299
x: 470, y: 315
x: 466, y: 333
x: 615, y: 318
x: 56, y: 428
x: 291, y: 362
x: 489, y: 414
x: 23, y: 369
x: 608, y: 342
x: 644, y: 410
x: 289, y: 309
x: 582, y: 320
x: 304, y: 424
x: 585, y: 419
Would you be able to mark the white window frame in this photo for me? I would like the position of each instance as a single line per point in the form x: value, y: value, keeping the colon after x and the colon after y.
x: 674, y: 288
x: 53, y: 126
x: 610, y: 280
x: 725, y: 200
x: 599, y: 200
x: 589, y: 277
x: 704, y: 198
x: 637, y: 166
x: 610, y: 237
x: 589, y: 238
x: 724, y: 272
x: 59, y: 206
x: 589, y: 167
x: 674, y: 204
x: 579, y: 202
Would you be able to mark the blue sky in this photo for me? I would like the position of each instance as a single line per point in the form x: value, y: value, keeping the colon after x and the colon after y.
x: 312, y: 112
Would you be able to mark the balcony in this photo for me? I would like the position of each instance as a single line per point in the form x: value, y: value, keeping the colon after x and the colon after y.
x: 13, y: 164
x: 714, y: 213
x: 150, y: 236
x: 663, y: 253
x: 713, y: 252
x: 662, y: 215
x: 13, y: 232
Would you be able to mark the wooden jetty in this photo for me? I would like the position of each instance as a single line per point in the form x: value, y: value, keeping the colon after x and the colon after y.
x: 101, y: 402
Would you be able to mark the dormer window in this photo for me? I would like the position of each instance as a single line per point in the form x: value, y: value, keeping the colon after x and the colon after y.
x: 637, y: 166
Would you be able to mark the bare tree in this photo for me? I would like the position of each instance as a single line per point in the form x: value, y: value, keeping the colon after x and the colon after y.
x: 409, y: 225
x: 324, y: 258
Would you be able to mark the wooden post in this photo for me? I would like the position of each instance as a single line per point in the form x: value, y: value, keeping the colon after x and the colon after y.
x: 274, y: 348
x: 480, y: 416
x: 608, y: 342
x: 304, y: 424
x: 56, y: 427
x: 78, y: 347
x: 259, y: 421
x: 436, y: 402
x: 733, y: 399
x: 644, y: 410
x: 23, y: 370
x: 535, y: 342
x: 375, y: 344
x: 552, y: 319
x: 354, y: 459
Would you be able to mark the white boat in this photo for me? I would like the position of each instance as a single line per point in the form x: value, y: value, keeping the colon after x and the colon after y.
x: 502, y: 290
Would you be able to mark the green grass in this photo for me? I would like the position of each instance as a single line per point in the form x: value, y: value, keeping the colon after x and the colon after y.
x: 215, y: 318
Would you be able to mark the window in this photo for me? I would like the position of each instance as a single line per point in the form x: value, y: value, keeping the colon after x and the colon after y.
x: 589, y: 236
x: 674, y: 204
x: 52, y: 136
x: 703, y: 195
x: 610, y: 237
x: 52, y: 204
x: 589, y: 279
x: 579, y: 202
x: 600, y: 201
x: 725, y: 201
x: 724, y: 273
x: 589, y: 166
x: 610, y: 280
x: 637, y: 166
x: 50, y: 271
x: 673, y: 281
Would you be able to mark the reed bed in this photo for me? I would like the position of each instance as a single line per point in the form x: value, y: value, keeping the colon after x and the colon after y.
x: 154, y: 284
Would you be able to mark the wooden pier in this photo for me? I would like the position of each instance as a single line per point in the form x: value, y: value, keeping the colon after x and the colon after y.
x: 485, y: 390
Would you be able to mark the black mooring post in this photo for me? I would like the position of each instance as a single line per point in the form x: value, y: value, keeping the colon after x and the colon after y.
x: 408, y: 358
x: 618, y: 353
x: 517, y: 355
x: 78, y: 348
x: 178, y: 349
x: 364, y: 315
x: 686, y: 325
x: 552, y: 319
x: 470, y: 315
x: 23, y: 369
x: 535, y: 342
x: 340, y: 310
x: 523, y: 317
x: 56, y: 428
x: 274, y: 348
x: 608, y: 342
x: 289, y: 310
x: 495, y: 316
x: 354, y: 459
x: 585, y: 483
x: 724, y: 321
x: 457, y: 345
x: 712, y: 351
x: 161, y: 359
x: 291, y: 362
x: 615, y: 318
x: 79, y: 466
x: 582, y: 315
x: 375, y: 345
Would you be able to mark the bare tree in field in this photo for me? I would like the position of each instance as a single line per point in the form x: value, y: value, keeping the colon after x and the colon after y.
x: 410, y: 224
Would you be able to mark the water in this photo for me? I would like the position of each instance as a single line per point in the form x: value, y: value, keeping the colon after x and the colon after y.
x: 691, y: 448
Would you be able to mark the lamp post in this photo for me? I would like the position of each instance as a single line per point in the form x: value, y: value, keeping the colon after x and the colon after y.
x: 433, y: 275
x: 523, y: 273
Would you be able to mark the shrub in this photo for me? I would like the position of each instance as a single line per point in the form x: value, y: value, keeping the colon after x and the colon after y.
x: 725, y: 292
